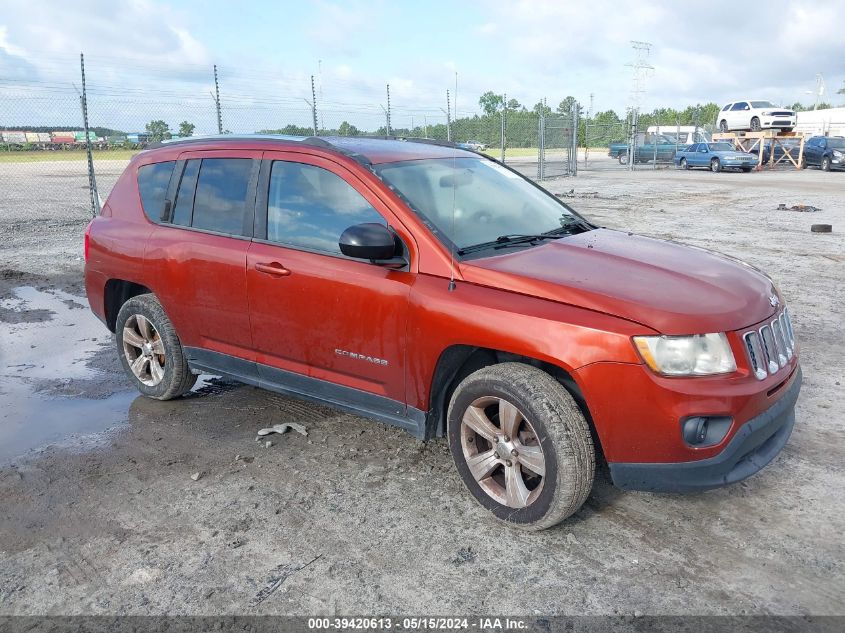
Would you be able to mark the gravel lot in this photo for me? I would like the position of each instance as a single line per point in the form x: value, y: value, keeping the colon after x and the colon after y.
x: 101, y: 514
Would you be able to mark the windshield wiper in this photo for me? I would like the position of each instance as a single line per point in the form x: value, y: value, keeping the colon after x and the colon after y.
x: 514, y: 239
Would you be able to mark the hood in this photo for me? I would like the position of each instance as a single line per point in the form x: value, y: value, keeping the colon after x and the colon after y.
x: 669, y: 287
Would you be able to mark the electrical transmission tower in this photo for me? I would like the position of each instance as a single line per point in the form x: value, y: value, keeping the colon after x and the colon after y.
x: 642, y: 70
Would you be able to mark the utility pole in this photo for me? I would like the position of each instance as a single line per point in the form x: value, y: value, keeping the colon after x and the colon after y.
x: 217, y: 102
x: 92, y: 180
x: 314, y: 105
x: 448, y: 118
x: 388, y: 109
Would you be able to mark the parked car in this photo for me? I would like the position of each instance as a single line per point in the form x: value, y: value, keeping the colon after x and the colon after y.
x: 754, y: 116
x: 648, y: 146
x: 442, y: 292
x: 715, y: 157
x: 825, y: 152
x: 475, y: 146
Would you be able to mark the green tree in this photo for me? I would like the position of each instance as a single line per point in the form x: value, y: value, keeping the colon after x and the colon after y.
x: 186, y: 129
x: 346, y: 129
x: 541, y: 108
x: 491, y: 102
x: 514, y: 105
x: 567, y: 105
x: 158, y: 131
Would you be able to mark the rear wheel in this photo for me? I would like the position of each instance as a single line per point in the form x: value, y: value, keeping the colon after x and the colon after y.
x: 150, y: 350
x: 521, y: 445
x: 723, y: 126
x: 755, y: 124
x: 825, y: 163
x: 715, y: 165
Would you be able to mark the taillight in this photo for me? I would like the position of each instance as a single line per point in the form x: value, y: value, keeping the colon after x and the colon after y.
x: 87, y: 238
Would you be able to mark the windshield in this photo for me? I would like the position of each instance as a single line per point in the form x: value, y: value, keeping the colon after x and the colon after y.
x: 836, y: 143
x: 488, y: 200
x: 762, y: 104
x: 720, y: 147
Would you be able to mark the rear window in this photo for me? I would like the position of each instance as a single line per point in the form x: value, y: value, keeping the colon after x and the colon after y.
x: 221, y: 197
x: 153, y: 181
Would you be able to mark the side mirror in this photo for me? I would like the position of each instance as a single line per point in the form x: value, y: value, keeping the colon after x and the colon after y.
x: 368, y: 241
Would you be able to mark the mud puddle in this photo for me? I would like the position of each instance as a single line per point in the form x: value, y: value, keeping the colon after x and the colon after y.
x: 60, y: 380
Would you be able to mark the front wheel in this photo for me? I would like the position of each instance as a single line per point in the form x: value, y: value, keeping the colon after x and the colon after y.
x: 684, y: 164
x: 150, y: 350
x: 623, y: 159
x: 826, y: 163
x: 521, y: 445
x: 755, y: 124
x: 715, y: 165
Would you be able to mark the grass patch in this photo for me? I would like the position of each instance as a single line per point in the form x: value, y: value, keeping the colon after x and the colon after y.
x: 65, y: 155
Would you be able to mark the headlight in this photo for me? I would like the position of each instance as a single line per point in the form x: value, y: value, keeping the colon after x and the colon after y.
x: 696, y: 355
x: 767, y: 114
x: 838, y: 154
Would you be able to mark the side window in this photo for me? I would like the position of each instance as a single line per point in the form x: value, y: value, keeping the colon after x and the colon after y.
x: 153, y: 181
x: 693, y: 148
x: 727, y: 107
x: 220, y: 201
x: 309, y: 207
x: 185, y: 194
x: 741, y: 105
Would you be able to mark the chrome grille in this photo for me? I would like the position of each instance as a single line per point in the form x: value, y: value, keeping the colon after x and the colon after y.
x: 771, y: 347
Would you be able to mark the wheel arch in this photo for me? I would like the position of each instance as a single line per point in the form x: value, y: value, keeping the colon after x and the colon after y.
x: 459, y: 361
x: 115, y: 294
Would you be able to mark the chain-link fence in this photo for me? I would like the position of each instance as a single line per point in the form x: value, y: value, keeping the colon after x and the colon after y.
x: 43, y: 125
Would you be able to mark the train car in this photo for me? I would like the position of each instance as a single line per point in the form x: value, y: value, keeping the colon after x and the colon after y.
x: 16, y: 138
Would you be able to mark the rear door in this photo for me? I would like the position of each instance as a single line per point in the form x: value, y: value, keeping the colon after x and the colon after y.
x: 314, y: 312
x: 199, y: 253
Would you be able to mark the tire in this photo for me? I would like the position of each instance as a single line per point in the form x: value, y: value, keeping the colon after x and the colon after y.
x: 825, y: 163
x: 821, y: 228
x: 548, y: 423
x: 803, y: 162
x: 755, y: 124
x: 147, y: 341
x: 623, y: 158
x: 715, y: 165
x: 684, y: 164
x: 723, y: 126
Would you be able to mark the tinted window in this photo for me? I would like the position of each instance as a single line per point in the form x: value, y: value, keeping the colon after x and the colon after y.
x: 740, y: 106
x: 185, y: 195
x: 726, y: 107
x: 153, y: 181
x: 310, y: 207
x: 221, y: 198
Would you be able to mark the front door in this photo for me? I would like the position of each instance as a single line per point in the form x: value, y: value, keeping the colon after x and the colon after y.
x: 322, y: 322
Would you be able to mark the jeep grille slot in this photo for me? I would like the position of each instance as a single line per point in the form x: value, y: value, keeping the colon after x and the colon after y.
x: 754, y: 350
x: 770, y: 348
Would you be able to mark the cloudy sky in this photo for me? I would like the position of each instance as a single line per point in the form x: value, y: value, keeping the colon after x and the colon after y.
x: 150, y: 58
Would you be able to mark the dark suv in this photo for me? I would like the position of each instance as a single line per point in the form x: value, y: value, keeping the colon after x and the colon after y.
x: 435, y: 289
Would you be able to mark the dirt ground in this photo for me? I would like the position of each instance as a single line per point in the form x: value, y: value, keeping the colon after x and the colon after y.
x: 101, y: 515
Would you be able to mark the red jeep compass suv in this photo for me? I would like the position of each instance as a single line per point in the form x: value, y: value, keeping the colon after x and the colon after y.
x: 435, y: 289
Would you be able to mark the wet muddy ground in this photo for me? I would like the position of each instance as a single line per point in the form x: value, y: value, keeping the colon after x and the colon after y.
x: 116, y: 504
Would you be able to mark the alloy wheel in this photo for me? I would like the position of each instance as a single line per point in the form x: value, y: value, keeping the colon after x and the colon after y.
x: 503, y: 452
x: 144, y: 350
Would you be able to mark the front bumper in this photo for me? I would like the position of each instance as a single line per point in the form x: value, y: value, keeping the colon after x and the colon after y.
x: 752, y: 447
x: 778, y: 122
